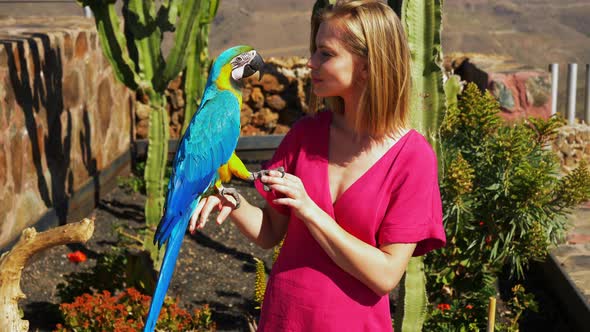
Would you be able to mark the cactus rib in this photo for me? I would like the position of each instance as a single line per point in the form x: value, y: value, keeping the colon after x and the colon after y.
x: 113, y: 43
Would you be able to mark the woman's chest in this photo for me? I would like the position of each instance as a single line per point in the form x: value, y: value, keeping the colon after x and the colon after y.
x: 348, y: 165
x: 354, y: 193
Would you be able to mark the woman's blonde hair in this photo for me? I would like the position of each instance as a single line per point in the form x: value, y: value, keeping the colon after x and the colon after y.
x: 372, y: 30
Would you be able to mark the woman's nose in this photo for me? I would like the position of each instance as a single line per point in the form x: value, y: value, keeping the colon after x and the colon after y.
x: 310, y: 62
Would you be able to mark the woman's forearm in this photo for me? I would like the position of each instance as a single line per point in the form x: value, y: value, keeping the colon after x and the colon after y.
x: 377, y: 269
x: 255, y: 224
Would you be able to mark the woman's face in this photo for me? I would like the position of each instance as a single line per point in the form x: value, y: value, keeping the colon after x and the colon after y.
x: 335, y: 71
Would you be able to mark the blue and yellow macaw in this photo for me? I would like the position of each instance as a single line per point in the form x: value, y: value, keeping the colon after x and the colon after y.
x: 205, y: 158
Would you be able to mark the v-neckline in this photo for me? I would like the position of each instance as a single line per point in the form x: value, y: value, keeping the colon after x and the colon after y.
x: 362, y: 176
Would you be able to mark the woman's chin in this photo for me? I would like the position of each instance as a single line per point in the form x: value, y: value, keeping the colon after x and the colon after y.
x: 321, y: 93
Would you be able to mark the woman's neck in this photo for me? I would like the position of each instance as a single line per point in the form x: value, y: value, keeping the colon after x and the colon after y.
x: 344, y: 124
x: 350, y: 110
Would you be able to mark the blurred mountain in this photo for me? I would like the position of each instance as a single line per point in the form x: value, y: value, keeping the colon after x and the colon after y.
x: 276, y: 28
x: 532, y: 32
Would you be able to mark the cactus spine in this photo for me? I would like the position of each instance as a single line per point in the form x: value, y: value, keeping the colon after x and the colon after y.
x: 136, y: 58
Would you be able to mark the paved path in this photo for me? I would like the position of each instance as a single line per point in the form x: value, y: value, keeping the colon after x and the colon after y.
x: 574, y: 255
x: 572, y: 259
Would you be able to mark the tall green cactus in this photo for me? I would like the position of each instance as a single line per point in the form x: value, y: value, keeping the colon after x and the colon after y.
x: 198, y: 62
x: 411, y: 307
x: 136, y: 57
x: 422, y: 24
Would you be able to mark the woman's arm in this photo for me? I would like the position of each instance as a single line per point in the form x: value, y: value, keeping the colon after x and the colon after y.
x: 380, y: 269
x: 265, y: 227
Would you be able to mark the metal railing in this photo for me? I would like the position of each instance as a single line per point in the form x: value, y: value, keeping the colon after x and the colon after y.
x: 571, y: 91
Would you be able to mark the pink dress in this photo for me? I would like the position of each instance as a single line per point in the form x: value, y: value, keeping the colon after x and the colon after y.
x: 396, y: 201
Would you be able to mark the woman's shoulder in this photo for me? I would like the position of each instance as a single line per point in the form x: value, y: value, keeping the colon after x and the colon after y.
x: 416, y: 148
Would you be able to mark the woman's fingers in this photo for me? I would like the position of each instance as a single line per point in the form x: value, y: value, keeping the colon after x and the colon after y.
x: 284, y: 201
x: 223, y: 214
x: 209, y: 206
x: 195, y: 216
x: 203, y: 210
x: 275, y: 177
x: 285, y: 190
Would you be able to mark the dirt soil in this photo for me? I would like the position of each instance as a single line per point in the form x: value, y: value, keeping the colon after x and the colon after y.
x: 215, y: 267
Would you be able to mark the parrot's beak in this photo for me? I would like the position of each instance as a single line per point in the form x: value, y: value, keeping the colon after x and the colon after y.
x: 255, y: 65
x: 260, y: 74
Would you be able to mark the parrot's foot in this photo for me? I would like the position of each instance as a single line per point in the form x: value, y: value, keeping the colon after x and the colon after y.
x: 232, y: 192
x: 259, y: 174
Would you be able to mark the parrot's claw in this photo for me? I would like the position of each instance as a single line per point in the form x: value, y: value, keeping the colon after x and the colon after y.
x: 257, y: 175
x: 232, y: 192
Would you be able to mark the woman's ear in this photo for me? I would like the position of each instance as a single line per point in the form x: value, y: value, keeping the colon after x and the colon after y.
x: 363, y: 70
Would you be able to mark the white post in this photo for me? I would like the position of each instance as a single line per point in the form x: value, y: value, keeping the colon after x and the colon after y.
x: 572, y: 77
x: 88, y: 12
x: 554, y: 68
x: 587, y: 103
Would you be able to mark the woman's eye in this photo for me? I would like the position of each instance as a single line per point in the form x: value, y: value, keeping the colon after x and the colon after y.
x: 324, y: 53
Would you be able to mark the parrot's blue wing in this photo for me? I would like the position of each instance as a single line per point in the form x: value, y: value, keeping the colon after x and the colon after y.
x: 207, y: 144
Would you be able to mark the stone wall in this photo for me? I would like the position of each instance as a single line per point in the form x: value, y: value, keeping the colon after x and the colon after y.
x: 274, y: 103
x: 63, y: 117
x: 521, y: 91
x: 572, y: 145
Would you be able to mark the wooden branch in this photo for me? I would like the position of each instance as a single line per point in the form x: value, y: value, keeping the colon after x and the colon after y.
x: 13, y: 262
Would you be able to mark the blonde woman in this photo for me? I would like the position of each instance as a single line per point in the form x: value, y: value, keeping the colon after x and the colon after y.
x: 360, y: 194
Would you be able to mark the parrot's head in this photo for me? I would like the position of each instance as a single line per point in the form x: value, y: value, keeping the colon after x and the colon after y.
x: 236, y: 63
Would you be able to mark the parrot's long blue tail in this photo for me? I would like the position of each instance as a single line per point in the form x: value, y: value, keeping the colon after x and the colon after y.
x: 168, y: 264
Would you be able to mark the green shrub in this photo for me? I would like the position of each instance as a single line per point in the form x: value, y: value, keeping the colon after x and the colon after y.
x: 107, y: 275
x: 504, y: 203
x: 125, y: 312
x: 135, y: 181
x: 114, y: 271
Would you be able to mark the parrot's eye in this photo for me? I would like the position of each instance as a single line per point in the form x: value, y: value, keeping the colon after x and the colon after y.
x: 239, y: 59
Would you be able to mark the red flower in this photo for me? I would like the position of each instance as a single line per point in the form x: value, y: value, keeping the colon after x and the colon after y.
x: 443, y: 306
x: 469, y: 306
x: 481, y: 223
x: 77, y: 256
x: 488, y: 239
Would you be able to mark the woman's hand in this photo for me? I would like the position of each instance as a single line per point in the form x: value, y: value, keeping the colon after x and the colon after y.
x: 224, y: 204
x: 296, y: 195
